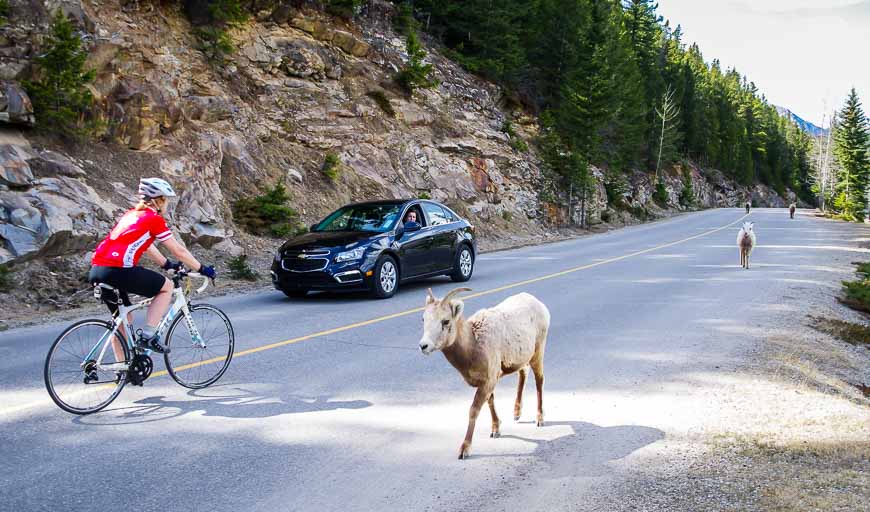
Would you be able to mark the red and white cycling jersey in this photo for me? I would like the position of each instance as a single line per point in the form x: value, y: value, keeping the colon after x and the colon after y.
x: 131, y: 237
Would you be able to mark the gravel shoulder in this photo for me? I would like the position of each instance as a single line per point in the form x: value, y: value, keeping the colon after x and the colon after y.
x: 778, y: 424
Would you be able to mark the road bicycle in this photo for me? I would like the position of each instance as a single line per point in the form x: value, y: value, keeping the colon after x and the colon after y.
x: 92, y: 360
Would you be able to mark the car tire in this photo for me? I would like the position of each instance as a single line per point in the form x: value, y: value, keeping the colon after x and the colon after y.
x: 463, y: 265
x: 295, y: 294
x: 386, y: 278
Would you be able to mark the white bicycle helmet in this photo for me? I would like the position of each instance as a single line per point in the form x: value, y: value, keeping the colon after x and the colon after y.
x: 150, y: 188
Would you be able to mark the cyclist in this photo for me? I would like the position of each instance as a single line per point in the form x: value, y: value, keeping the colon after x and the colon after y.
x: 116, y: 257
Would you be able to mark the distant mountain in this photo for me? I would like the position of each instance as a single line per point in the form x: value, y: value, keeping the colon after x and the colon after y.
x: 805, y: 125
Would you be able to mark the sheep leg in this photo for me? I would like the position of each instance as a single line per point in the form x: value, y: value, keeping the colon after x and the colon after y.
x: 538, y: 370
x: 518, y: 405
x: 495, y: 421
x: 480, y: 397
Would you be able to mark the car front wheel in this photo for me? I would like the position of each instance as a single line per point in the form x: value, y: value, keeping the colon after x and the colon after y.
x: 386, y: 278
x: 463, y: 267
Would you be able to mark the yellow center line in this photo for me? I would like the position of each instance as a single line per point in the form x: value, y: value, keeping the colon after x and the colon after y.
x: 384, y: 318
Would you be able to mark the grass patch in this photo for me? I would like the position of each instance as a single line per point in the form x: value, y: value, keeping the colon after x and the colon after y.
x: 331, y: 167
x: 856, y: 294
x: 855, y: 334
x: 240, y: 269
x: 382, y: 101
x: 507, y: 215
x: 424, y: 195
x: 516, y: 142
x: 268, y: 214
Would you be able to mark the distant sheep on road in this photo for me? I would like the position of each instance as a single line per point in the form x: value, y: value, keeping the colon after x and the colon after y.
x: 493, y: 342
x: 791, y: 208
x: 746, y: 241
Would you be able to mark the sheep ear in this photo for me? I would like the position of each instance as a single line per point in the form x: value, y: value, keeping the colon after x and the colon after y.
x: 457, y: 307
x: 429, y: 297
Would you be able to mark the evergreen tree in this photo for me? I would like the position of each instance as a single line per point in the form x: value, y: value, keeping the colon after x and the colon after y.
x: 851, y: 148
x: 60, y: 98
x: 416, y: 74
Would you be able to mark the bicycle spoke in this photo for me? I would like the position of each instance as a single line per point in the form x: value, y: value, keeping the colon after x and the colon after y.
x: 191, y: 364
x: 76, y: 387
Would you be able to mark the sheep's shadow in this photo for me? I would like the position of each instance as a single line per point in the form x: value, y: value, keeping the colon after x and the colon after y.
x: 232, y: 402
x: 585, y: 451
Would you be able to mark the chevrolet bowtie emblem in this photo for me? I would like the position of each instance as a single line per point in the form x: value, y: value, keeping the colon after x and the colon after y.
x: 303, y: 256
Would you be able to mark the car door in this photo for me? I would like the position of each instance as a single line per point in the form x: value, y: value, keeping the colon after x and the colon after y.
x: 443, y: 238
x: 415, y: 246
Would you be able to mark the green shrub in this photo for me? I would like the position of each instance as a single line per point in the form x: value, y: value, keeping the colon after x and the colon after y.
x: 382, y: 101
x: 660, y: 196
x: 516, y: 142
x: 59, y: 96
x: 332, y: 167
x: 856, y: 294
x: 268, y: 214
x: 687, y: 194
x: 4, y: 12
x: 343, y: 8
x: 638, y: 212
x: 519, y: 144
x: 416, y: 75
x: 507, y: 215
x: 424, y: 195
x: 223, y: 15
x: 214, y: 42
x: 615, y: 187
x: 404, y: 21
x: 5, y: 278
x: 240, y: 269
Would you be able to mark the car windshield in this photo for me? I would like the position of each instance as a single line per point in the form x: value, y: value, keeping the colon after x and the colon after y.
x: 377, y: 218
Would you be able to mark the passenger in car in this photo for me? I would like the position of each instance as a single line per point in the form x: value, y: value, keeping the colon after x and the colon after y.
x: 411, y: 216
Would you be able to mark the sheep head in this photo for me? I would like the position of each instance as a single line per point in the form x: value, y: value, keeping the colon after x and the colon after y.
x: 440, y: 318
x: 747, y: 227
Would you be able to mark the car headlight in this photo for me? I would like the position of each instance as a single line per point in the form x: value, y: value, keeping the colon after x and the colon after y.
x: 350, y: 255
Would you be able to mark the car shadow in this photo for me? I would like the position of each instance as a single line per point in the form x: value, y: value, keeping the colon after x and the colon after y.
x: 342, y: 297
x: 585, y: 451
x: 228, y: 401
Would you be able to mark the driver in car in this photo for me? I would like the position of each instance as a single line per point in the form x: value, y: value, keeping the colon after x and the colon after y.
x: 410, y: 217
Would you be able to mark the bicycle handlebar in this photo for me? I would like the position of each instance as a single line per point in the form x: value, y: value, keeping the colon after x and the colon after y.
x: 205, y: 281
x: 187, y: 273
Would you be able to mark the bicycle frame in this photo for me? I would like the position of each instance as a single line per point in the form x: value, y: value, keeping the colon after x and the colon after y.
x: 121, y: 323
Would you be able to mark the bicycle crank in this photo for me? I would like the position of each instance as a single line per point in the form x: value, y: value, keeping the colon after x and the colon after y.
x: 140, y: 369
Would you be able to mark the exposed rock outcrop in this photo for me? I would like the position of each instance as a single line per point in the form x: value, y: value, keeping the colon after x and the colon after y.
x: 298, y: 87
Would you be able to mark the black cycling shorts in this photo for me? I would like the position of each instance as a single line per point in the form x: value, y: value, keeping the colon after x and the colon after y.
x: 137, y: 280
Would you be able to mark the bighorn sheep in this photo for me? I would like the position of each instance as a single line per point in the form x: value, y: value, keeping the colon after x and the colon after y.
x: 748, y: 204
x: 493, y: 342
x: 791, y: 208
x: 746, y: 242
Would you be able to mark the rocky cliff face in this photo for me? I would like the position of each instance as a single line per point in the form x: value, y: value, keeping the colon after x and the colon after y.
x: 299, y: 86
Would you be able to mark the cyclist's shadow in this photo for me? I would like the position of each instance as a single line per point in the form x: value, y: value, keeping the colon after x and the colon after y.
x: 227, y: 401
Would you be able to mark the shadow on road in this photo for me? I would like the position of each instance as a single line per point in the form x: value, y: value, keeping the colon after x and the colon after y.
x: 587, y: 450
x: 231, y: 402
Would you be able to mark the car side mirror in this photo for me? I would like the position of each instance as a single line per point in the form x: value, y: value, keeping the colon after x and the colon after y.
x: 410, y: 227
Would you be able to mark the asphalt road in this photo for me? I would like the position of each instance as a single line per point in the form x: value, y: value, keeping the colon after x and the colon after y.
x: 356, y: 418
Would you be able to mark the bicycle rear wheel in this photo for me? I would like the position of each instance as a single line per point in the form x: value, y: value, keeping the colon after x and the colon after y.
x: 76, y: 385
x: 197, y: 363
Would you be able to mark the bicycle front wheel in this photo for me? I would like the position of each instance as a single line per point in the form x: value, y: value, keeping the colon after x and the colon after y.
x: 200, y: 353
x: 80, y: 385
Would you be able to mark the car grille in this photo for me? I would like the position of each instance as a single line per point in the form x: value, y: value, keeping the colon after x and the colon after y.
x: 305, y: 261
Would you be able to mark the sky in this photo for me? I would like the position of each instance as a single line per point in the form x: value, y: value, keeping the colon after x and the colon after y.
x: 804, y: 55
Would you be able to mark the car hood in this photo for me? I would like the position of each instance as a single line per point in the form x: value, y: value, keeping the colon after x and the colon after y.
x: 328, y: 240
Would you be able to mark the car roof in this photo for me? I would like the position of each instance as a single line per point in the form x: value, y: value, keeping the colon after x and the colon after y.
x: 383, y: 201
